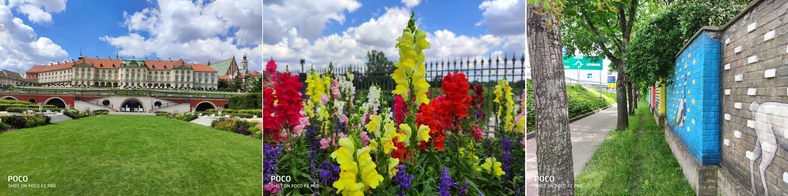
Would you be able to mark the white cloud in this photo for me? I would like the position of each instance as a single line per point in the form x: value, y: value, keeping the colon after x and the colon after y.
x: 379, y: 33
x: 194, y: 31
x: 503, y: 17
x: 20, y: 47
x: 309, y: 16
x: 411, y: 3
x: 38, y: 11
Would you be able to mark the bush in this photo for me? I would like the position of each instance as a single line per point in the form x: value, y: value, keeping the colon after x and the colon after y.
x: 17, y: 122
x: 101, y: 111
x: 25, y: 121
x: 74, y: 114
x: 247, y: 101
x: 163, y: 113
x: 242, y: 115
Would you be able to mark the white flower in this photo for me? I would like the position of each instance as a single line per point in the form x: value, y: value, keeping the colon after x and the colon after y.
x: 340, y: 106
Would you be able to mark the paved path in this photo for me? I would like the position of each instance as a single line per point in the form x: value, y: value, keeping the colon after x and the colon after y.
x: 58, y: 118
x: 587, y: 134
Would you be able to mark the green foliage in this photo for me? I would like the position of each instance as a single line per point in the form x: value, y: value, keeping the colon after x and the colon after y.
x: 247, y: 101
x: 25, y: 121
x: 580, y: 100
x: 655, y: 44
x: 101, y: 112
x: 612, y: 23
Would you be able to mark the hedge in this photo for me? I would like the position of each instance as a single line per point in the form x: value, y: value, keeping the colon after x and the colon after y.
x: 101, y: 111
x: 258, y: 112
x: 580, y: 101
x: 247, y: 101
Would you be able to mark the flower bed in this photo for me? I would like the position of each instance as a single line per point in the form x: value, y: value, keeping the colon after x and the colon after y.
x: 419, y: 144
x: 243, y: 127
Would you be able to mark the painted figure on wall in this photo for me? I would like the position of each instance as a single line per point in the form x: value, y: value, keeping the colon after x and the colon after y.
x: 682, y: 106
x: 768, y: 120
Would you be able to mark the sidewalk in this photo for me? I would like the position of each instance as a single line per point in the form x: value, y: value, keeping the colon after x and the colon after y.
x: 587, y: 134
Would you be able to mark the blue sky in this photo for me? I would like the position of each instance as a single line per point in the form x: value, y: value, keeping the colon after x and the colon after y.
x: 342, y: 31
x: 45, y: 31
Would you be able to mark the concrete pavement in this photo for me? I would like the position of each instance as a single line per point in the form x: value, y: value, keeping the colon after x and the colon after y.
x: 587, y: 134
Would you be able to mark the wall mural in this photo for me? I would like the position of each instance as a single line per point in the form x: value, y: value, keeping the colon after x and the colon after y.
x: 693, y: 100
x: 769, y: 119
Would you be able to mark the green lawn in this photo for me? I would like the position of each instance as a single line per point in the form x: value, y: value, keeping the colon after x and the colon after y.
x: 620, y: 168
x: 123, y: 91
x: 131, y: 155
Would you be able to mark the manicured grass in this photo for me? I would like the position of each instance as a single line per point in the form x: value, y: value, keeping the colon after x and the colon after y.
x: 123, y: 91
x: 131, y: 155
x: 581, y: 101
x: 620, y: 168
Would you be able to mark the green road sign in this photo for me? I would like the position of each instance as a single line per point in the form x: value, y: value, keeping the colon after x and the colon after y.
x: 582, y: 63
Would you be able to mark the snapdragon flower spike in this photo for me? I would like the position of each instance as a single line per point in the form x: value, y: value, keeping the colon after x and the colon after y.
x: 271, y: 153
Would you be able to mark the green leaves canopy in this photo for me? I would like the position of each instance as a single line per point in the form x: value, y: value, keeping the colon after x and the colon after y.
x: 656, y: 43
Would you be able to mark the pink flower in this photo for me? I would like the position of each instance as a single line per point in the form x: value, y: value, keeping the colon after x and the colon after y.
x: 343, y: 118
x: 364, y: 138
x: 335, y: 89
x: 324, y: 99
x: 477, y: 134
x: 272, y: 187
x: 324, y: 143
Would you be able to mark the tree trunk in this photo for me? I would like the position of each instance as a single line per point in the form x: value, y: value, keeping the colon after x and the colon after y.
x: 631, y: 91
x: 553, y: 139
x: 636, y: 95
x: 621, y: 97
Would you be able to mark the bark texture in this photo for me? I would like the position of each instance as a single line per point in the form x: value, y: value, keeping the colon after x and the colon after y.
x: 621, y: 98
x: 554, y: 146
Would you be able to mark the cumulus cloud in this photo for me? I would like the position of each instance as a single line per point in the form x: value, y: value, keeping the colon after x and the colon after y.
x: 503, y: 17
x: 308, y: 15
x: 194, y: 31
x: 379, y: 33
x: 37, y: 11
x: 411, y: 3
x: 20, y: 47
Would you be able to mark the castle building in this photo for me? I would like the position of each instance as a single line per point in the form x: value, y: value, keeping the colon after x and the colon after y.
x: 128, y: 74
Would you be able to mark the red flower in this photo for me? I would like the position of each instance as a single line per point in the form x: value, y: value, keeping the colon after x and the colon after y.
x: 457, y: 100
x: 270, y: 70
x: 401, y: 152
x: 432, y: 116
x: 400, y: 109
x: 287, y: 111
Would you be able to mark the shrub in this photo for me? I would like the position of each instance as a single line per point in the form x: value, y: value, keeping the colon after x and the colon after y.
x: 247, y: 101
x: 74, y: 114
x: 242, y: 115
x: 15, y: 121
x: 102, y: 111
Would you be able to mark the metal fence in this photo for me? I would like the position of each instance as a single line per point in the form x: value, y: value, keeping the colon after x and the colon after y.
x: 479, y: 70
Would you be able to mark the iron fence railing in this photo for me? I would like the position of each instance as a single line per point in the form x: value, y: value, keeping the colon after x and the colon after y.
x: 478, y: 70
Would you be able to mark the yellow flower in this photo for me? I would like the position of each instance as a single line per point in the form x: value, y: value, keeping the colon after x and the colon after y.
x: 410, y: 68
x: 388, y: 138
x: 374, y: 125
x: 373, y: 144
x: 347, y: 180
x: 404, y: 136
x: 424, y: 133
x: 369, y: 175
x: 520, y: 125
x: 492, y: 166
x: 392, y: 166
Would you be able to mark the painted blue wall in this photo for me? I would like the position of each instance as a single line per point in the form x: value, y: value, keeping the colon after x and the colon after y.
x: 696, y: 79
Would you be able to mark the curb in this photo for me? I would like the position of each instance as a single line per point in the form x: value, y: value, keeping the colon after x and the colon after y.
x: 533, y: 134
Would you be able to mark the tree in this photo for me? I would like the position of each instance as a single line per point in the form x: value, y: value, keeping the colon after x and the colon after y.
x: 256, y: 84
x: 553, y: 139
x: 223, y: 85
x: 378, y: 69
x: 657, y: 42
x: 604, y: 27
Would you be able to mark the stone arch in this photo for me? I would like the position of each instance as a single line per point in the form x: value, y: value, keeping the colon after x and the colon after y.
x: 56, y: 101
x: 31, y: 100
x: 204, y: 105
x: 132, y: 103
x: 9, y: 98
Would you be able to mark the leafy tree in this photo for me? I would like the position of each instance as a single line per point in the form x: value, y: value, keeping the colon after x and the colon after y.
x: 659, y: 40
x: 256, y: 84
x: 553, y: 139
x: 603, y: 27
x: 377, y: 62
x: 223, y: 85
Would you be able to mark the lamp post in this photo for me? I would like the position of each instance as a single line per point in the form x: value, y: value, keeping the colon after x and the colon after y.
x: 302, y: 64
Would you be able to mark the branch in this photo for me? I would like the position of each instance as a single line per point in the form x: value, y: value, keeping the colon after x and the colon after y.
x: 593, y: 30
x: 632, y: 12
